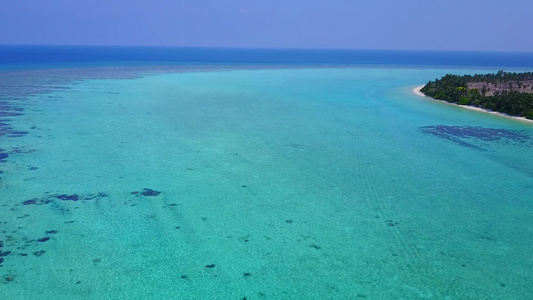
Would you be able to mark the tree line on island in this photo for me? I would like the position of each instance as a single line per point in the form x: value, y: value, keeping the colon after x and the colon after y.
x: 505, y: 92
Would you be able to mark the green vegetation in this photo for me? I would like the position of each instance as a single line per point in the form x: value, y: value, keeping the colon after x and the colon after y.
x: 510, y: 93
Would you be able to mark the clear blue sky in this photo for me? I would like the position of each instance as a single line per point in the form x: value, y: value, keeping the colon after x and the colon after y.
x: 492, y: 25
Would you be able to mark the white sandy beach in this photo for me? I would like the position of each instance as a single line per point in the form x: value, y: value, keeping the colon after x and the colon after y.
x: 417, y: 91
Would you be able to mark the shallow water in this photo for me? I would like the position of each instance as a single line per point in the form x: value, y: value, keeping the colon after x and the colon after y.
x: 331, y: 183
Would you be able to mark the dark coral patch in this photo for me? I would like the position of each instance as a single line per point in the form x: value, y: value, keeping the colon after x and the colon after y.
x: 3, y: 254
x: 9, y: 114
x: 315, y: 246
x: 5, y: 128
x: 468, y: 135
x: 30, y: 202
x: 37, y: 201
x: 3, y: 155
x: 21, y: 150
x: 44, y: 239
x: 66, y: 197
x: 391, y: 223
x: 94, y: 196
x: 481, y: 133
x: 16, y: 133
x: 149, y: 192
x: 146, y: 192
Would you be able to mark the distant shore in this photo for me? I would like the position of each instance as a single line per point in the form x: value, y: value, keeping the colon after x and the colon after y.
x: 417, y: 91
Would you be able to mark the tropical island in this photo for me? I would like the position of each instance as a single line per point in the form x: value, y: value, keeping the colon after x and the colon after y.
x: 504, y: 92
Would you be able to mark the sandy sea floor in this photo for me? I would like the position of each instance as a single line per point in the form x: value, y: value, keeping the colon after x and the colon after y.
x: 264, y: 184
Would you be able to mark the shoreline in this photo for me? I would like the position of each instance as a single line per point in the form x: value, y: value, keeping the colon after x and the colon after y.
x: 416, y: 91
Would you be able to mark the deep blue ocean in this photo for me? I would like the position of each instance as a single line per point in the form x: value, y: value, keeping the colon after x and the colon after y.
x: 30, y: 57
x: 193, y: 173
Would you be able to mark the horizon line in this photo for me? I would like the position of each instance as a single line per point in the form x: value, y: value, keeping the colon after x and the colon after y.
x: 264, y: 48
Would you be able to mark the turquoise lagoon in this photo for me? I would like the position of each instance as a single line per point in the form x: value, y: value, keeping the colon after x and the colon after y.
x: 275, y: 183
